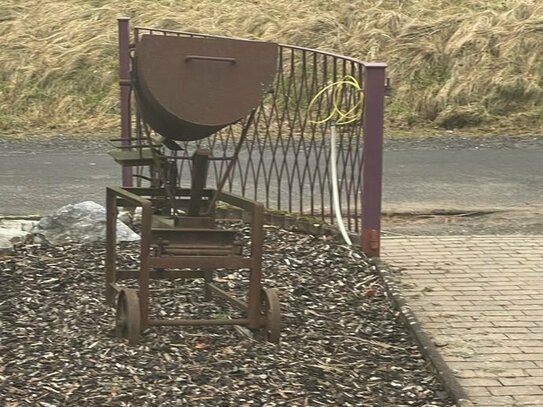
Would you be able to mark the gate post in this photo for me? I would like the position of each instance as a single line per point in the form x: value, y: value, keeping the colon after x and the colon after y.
x: 372, y: 167
x: 124, y: 82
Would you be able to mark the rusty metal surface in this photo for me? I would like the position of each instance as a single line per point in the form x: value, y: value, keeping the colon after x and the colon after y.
x: 272, y: 312
x: 192, y: 237
x: 189, y: 88
x: 128, y: 318
x: 200, y: 166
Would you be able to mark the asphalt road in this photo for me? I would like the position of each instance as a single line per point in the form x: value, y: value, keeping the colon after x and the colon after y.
x: 466, y: 178
x: 418, y: 177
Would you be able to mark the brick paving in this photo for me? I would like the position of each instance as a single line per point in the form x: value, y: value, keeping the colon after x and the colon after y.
x: 480, y: 298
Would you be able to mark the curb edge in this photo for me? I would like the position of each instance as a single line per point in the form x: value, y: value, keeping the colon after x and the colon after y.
x: 424, y: 343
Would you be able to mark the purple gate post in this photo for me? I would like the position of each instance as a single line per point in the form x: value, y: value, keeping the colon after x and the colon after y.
x: 124, y: 82
x: 372, y: 169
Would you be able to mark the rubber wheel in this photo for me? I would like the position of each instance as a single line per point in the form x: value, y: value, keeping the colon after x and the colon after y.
x: 272, y: 314
x: 128, y: 318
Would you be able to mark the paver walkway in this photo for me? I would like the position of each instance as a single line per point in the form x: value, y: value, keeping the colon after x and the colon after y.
x: 481, y: 300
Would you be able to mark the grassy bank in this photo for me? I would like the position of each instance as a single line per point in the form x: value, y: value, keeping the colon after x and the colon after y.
x: 459, y: 64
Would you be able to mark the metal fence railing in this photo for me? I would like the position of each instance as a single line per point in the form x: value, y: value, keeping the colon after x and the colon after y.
x: 285, y: 160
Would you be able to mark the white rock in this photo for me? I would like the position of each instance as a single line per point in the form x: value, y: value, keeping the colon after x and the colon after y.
x: 13, y: 231
x: 84, y: 222
x: 125, y: 216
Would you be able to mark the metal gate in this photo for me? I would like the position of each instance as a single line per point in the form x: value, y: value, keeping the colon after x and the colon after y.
x: 285, y: 159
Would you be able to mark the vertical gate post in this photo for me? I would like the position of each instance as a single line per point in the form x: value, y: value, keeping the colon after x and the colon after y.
x: 372, y: 168
x: 124, y: 82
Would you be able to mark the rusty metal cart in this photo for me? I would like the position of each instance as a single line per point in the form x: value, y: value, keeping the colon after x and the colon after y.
x: 186, y: 89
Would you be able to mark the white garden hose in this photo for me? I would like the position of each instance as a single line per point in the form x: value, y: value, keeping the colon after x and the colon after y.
x: 335, y: 186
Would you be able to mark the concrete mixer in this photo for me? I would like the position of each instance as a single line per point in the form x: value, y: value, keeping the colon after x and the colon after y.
x: 186, y: 89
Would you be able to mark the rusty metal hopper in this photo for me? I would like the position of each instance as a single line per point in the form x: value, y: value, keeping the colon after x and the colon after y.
x: 189, y: 87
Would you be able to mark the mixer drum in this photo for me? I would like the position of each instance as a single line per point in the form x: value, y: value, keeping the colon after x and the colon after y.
x: 189, y: 88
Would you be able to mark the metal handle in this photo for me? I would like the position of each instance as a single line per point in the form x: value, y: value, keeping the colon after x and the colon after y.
x: 209, y: 58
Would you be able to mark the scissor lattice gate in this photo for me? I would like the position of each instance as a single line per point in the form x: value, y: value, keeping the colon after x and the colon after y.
x: 285, y: 159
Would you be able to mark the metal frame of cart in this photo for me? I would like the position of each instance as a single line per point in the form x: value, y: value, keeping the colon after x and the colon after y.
x: 262, y: 307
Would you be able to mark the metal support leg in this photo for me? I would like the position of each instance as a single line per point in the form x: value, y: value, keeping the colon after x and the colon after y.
x: 111, y: 242
x: 208, y: 279
x: 257, y: 241
x: 200, y: 166
x: 145, y: 250
x: 124, y: 80
x: 374, y: 88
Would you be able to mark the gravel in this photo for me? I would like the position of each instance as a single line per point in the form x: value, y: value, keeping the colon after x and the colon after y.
x: 342, y: 343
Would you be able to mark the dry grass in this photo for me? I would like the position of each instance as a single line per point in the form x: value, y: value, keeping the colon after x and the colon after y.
x: 454, y: 63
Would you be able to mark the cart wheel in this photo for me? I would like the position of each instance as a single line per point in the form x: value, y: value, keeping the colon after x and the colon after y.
x: 128, y: 319
x: 272, y: 314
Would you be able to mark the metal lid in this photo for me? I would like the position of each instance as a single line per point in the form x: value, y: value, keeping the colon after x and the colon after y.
x: 189, y: 87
